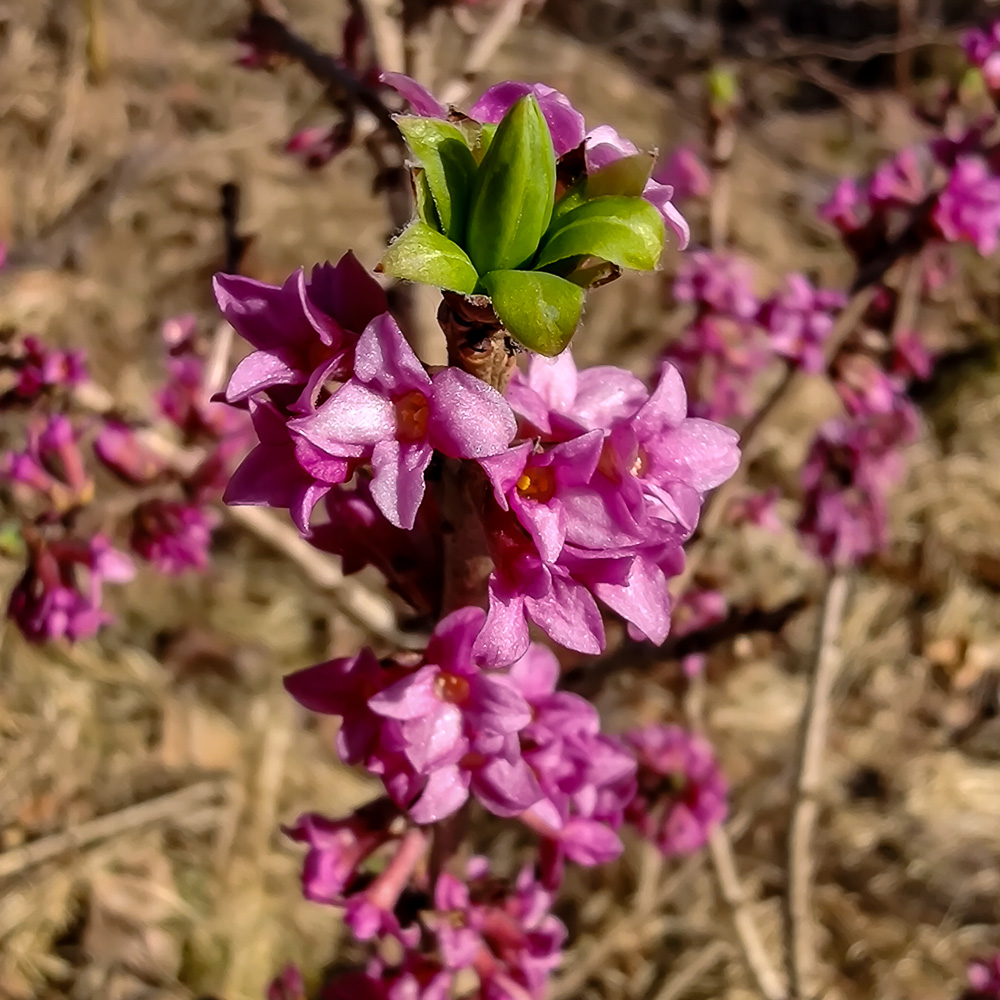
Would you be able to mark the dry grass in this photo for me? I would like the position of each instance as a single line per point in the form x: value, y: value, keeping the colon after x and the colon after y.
x: 186, y: 687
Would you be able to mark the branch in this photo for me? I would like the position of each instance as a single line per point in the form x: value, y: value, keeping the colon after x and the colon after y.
x: 800, y: 928
x: 642, y: 655
x: 321, y: 66
x: 179, y: 805
x: 763, y: 971
x: 484, y: 47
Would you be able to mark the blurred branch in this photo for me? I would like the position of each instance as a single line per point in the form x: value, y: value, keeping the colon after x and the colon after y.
x: 326, y: 69
x: 178, y: 806
x: 634, y: 655
x: 484, y: 47
x: 763, y: 971
x: 800, y: 927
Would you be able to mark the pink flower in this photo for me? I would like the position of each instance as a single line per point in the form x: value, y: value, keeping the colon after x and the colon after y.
x: 41, y: 368
x: 172, y: 535
x: 587, y: 778
x: 285, y: 470
x: 682, y: 794
x: 59, y: 595
x: 118, y: 448
x: 392, y: 413
x: 684, y: 171
x: 304, y: 331
x: 968, y: 209
x: 798, y: 320
x: 51, y: 465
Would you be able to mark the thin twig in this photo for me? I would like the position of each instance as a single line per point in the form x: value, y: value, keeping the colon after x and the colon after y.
x: 484, y: 47
x: 177, y: 805
x: 321, y: 66
x: 387, y: 33
x: 689, y: 974
x: 363, y: 606
x: 634, y: 655
x: 763, y: 971
x: 800, y: 927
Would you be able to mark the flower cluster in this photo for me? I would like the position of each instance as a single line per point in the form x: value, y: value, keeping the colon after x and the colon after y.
x: 169, y: 521
x: 581, y: 487
x: 733, y: 334
x: 496, y: 932
x: 681, y: 792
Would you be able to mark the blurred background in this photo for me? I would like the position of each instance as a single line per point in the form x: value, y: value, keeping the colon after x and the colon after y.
x: 120, y: 122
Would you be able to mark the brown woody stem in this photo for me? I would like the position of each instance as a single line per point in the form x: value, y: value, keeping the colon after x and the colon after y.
x: 479, y: 345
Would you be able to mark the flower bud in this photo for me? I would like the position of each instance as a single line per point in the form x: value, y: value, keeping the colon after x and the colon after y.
x: 514, y: 191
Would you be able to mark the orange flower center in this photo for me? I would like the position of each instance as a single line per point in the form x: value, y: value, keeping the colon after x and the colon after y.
x: 451, y: 688
x: 537, y: 483
x: 412, y: 413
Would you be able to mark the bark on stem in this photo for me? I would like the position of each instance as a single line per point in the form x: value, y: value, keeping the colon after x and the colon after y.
x: 478, y: 344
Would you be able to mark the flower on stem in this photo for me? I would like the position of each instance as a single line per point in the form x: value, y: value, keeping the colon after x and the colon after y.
x: 568, y: 529
x: 681, y: 792
x: 52, y: 466
x: 41, y: 368
x: 304, y: 332
x: 434, y: 732
x: 968, y: 209
x: 587, y: 778
x: 172, y: 535
x: 395, y: 415
x: 59, y: 596
x: 118, y: 448
x: 798, y: 319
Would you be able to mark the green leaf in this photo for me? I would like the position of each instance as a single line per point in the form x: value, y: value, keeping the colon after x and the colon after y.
x: 426, y: 211
x: 425, y: 255
x: 540, y: 311
x: 625, y: 231
x: 449, y: 168
x: 626, y: 176
x: 514, y: 191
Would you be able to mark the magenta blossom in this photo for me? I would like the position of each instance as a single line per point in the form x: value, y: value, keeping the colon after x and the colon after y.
x: 304, y: 331
x: 172, y: 535
x: 798, y: 319
x: 982, y: 47
x: 41, y: 368
x: 435, y: 731
x: 118, y: 447
x: 60, y: 594
x: 51, y: 465
x: 682, y: 794
x: 510, y: 939
x: 285, y: 470
x: 984, y: 979
x: 395, y: 415
x: 968, y: 209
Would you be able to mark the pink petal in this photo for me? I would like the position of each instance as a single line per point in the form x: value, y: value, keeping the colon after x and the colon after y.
x: 469, y: 419
x: 398, y: 484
